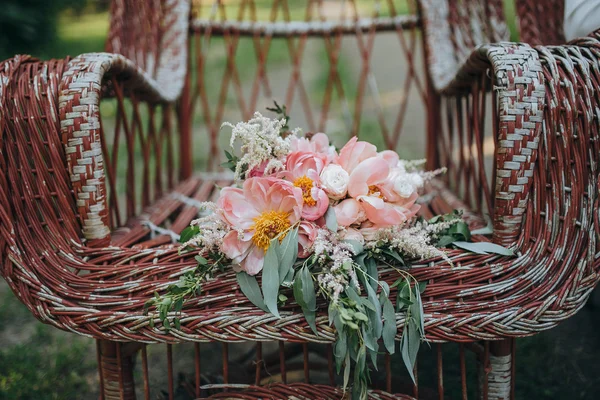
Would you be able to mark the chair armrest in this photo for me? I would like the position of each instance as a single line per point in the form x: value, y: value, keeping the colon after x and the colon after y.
x: 80, y: 91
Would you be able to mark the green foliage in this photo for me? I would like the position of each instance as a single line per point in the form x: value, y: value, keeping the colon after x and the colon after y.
x: 31, y: 26
x: 281, y: 111
x: 47, y: 367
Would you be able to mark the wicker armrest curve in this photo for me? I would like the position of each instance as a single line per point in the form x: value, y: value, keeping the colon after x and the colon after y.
x: 80, y: 93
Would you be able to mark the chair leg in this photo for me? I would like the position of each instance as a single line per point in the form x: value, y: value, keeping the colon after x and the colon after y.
x: 116, y: 372
x: 498, y: 372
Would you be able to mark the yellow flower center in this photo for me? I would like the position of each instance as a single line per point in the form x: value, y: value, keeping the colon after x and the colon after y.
x: 306, y: 184
x: 268, y: 225
x: 375, y: 190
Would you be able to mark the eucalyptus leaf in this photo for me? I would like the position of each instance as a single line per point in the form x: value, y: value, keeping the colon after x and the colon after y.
x: 308, y: 289
x: 389, y: 326
x: 346, y: 371
x: 394, y: 254
x: 289, y: 278
x: 421, y: 312
x: 309, y: 298
x: 331, y: 220
x: 297, y: 288
x: 357, y: 246
x: 372, y: 272
x: 201, y: 260
x: 368, y: 337
x: 251, y: 290
x: 270, y: 277
x: 373, y: 356
x: 340, y: 349
x: 445, y: 240
x: 374, y: 316
x: 288, y: 252
x: 484, y: 248
x: 409, y: 336
x: 460, y: 230
x: 488, y: 230
x: 331, y: 312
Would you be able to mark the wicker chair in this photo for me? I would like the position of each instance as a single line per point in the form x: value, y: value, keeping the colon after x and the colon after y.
x: 84, y: 245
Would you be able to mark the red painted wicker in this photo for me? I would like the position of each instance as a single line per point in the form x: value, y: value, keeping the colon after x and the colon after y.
x: 85, y: 259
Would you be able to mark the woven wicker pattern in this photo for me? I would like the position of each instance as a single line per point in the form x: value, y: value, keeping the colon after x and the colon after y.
x: 298, y: 391
x: 548, y: 30
x: 60, y: 256
x: 549, y: 280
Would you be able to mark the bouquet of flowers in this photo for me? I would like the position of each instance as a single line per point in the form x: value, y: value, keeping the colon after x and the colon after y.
x: 318, y: 221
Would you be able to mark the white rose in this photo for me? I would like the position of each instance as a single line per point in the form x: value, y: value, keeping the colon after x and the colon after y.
x: 403, y: 187
x: 416, y: 179
x: 334, y: 180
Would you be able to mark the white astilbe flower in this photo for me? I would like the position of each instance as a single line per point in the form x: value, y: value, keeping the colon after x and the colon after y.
x: 429, y: 175
x: 335, y: 257
x: 212, y: 230
x: 261, y: 142
x: 413, y: 242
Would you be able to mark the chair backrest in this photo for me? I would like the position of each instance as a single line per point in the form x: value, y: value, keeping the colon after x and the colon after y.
x: 541, y: 22
x: 154, y: 35
x: 346, y: 67
x: 454, y: 28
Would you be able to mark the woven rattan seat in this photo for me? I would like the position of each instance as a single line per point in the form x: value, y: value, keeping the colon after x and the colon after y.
x: 88, y: 233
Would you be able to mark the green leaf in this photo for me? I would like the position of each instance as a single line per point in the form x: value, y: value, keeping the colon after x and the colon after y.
x: 304, y: 293
x: 201, y: 260
x: 374, y: 316
x: 359, y: 389
x: 389, y: 326
x: 346, y: 371
x: 409, y: 345
x: 188, y: 233
x: 332, y: 312
x: 484, y: 248
x: 331, y: 220
x: 270, y: 277
x: 288, y: 252
x: 460, y: 230
x: 340, y: 350
x: 357, y: 246
x: 421, y: 313
x: 373, y: 355
x: 371, y: 266
x: 369, y: 338
x: 445, y: 240
x: 178, y: 304
x: 394, y: 254
x: 488, y: 230
x: 289, y: 278
x: 251, y: 290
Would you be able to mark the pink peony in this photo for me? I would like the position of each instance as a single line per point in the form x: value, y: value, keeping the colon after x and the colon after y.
x: 318, y: 143
x: 354, y: 152
x: 348, y: 212
x: 262, y: 209
x: 258, y: 171
x: 370, y: 184
x: 307, y: 233
x: 303, y: 169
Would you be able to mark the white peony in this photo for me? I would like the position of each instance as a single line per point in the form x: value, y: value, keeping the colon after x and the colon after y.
x: 334, y: 180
